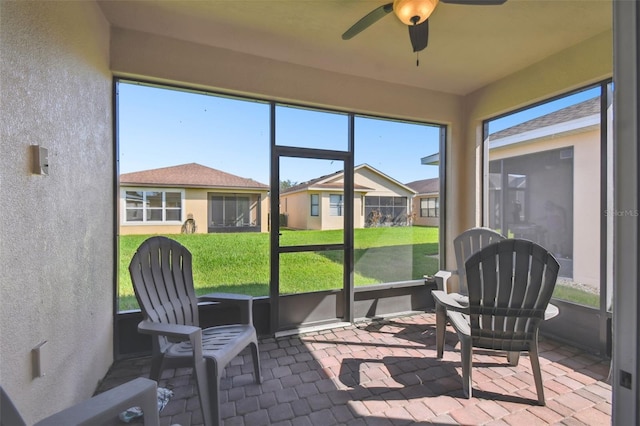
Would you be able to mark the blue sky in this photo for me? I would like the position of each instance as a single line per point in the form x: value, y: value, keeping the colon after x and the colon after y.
x: 163, y: 127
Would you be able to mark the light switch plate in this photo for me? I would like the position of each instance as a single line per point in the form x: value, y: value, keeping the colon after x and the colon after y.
x: 38, y: 358
x: 39, y: 160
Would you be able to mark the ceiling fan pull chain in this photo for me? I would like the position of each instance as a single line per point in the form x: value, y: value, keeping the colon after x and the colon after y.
x: 417, y: 59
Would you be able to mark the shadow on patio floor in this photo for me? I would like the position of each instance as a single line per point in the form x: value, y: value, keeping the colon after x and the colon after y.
x: 386, y: 373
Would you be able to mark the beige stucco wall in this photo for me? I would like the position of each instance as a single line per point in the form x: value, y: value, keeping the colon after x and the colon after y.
x: 57, y: 244
x: 143, y: 55
x: 328, y: 221
x: 296, y: 206
x: 586, y: 196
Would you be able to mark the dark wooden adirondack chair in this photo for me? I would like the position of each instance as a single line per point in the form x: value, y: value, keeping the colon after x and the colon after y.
x: 510, y: 284
x: 101, y: 409
x: 163, y: 282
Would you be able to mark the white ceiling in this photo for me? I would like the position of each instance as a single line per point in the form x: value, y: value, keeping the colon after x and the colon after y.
x: 469, y: 46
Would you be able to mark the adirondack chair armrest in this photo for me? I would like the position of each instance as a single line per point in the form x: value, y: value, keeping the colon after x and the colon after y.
x: 169, y: 330
x: 442, y: 277
x: 446, y: 300
x: 106, y: 406
x: 241, y: 301
x: 193, y: 333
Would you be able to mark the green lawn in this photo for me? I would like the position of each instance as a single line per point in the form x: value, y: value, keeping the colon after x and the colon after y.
x: 240, y: 262
x: 575, y: 295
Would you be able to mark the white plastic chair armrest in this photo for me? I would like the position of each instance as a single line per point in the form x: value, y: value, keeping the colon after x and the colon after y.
x: 441, y: 278
x: 551, y: 311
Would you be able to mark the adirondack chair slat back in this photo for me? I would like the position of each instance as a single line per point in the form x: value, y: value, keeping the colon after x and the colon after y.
x: 162, y: 277
x: 510, y: 285
x: 468, y: 243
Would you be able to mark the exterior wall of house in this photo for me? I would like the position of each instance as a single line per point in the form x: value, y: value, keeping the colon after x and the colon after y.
x: 586, y: 196
x: 296, y: 206
x: 415, y: 209
x: 196, y: 204
x: 57, y: 243
x: 328, y: 221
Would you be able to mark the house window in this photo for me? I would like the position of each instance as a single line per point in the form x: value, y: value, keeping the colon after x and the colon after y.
x: 315, y: 205
x: 335, y: 205
x: 153, y: 206
x: 429, y: 207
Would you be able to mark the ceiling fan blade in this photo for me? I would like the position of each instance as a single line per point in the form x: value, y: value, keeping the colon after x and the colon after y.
x: 419, y: 35
x: 368, y: 20
x: 475, y: 2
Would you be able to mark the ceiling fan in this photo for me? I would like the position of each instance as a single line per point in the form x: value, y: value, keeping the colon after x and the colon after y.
x: 413, y: 13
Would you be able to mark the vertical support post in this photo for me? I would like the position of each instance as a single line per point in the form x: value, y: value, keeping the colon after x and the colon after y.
x: 274, y: 225
x: 348, y: 225
x: 626, y: 56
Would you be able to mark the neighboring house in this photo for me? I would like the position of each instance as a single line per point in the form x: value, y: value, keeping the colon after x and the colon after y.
x: 544, y: 181
x: 426, y: 203
x: 379, y: 200
x: 544, y: 185
x: 191, y: 198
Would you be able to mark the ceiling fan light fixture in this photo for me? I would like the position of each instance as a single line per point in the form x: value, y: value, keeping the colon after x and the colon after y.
x: 408, y: 10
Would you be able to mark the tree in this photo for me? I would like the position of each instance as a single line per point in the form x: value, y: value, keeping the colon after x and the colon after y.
x: 286, y: 184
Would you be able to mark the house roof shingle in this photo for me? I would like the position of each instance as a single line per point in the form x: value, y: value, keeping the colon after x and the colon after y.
x: 321, y: 182
x: 425, y: 186
x: 189, y: 175
x: 573, y: 112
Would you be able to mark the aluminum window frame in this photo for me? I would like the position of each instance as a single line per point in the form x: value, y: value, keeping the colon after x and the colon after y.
x: 146, y: 222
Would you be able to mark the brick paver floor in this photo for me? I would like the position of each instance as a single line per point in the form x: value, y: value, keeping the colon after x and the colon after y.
x: 385, y: 372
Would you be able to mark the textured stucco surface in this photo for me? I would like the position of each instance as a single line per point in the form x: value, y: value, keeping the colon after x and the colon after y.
x: 56, y: 245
